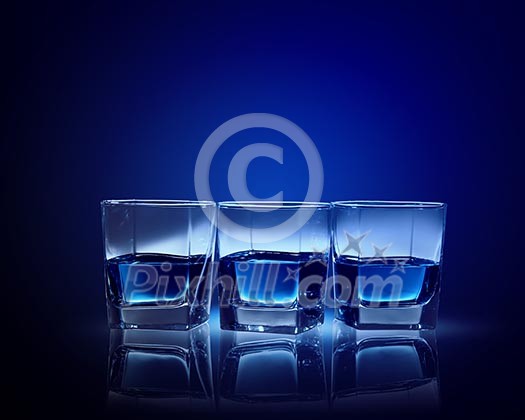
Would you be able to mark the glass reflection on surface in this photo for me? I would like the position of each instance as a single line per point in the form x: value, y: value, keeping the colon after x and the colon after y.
x: 380, y: 371
x: 166, y: 371
x: 261, y: 371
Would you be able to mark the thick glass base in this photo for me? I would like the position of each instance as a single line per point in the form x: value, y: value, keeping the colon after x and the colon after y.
x: 275, y: 320
x: 414, y: 317
x: 165, y: 317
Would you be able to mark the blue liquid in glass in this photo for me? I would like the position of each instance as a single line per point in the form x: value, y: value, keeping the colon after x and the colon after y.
x: 272, y: 278
x: 399, y: 280
x: 143, y: 279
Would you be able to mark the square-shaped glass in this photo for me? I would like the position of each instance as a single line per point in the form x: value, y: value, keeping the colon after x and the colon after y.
x: 387, y: 263
x: 273, y: 265
x: 158, y: 260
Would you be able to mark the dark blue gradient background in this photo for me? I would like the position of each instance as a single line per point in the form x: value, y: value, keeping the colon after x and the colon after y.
x: 407, y: 101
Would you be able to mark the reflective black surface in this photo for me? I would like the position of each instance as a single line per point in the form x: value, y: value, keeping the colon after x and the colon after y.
x: 330, y: 371
x: 367, y: 372
x: 380, y: 372
x: 159, y: 371
x: 271, y: 372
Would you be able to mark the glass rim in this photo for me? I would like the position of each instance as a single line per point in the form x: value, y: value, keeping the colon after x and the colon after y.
x: 277, y: 205
x: 157, y: 203
x: 389, y: 204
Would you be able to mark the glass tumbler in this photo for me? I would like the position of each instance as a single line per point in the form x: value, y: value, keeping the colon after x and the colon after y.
x: 273, y: 265
x: 158, y: 260
x: 387, y: 263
